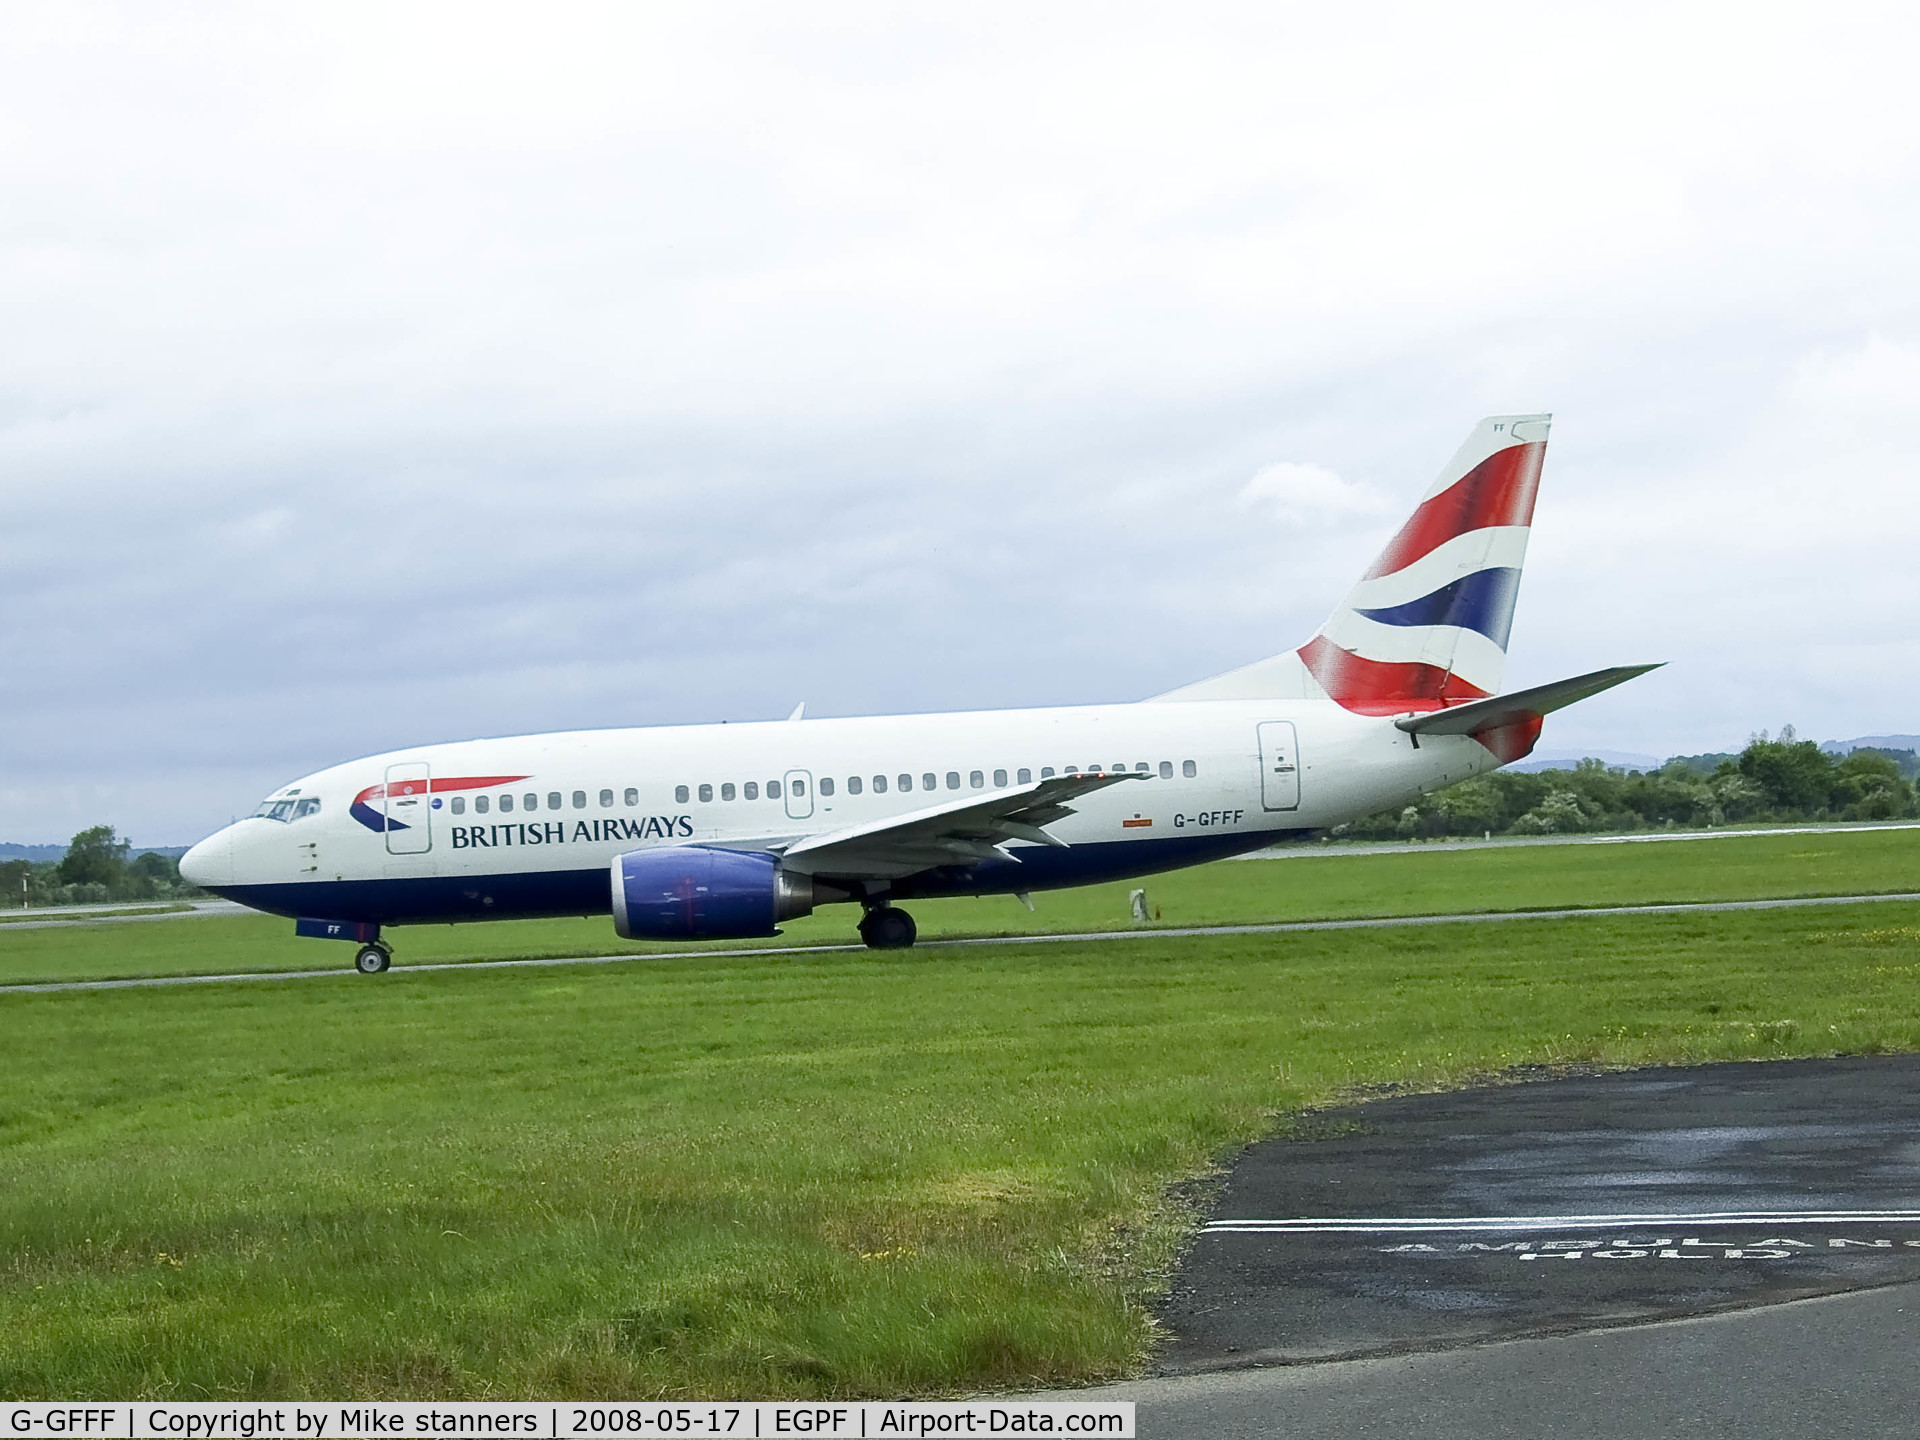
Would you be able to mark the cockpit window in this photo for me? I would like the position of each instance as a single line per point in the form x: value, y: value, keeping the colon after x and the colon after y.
x: 288, y: 808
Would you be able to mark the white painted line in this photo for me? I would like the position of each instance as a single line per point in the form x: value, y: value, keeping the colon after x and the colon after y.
x: 1424, y: 1225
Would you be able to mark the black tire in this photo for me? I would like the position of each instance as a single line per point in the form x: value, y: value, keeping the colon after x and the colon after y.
x: 373, y: 959
x: 888, y: 929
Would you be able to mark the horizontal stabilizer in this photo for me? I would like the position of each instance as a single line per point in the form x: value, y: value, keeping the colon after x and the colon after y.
x: 1498, y: 711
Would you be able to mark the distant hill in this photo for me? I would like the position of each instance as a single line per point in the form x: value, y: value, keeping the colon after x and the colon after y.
x: 1704, y: 764
x: 1871, y: 742
x: 1903, y: 748
x: 1612, y: 759
x: 38, y: 854
x: 43, y: 854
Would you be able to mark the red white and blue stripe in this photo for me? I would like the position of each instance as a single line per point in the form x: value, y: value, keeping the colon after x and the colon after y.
x: 363, y: 806
x: 1427, y: 625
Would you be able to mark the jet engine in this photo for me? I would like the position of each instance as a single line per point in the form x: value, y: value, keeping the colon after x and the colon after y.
x: 690, y: 892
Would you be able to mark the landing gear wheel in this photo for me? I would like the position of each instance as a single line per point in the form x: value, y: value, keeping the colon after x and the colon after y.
x: 888, y: 929
x: 372, y: 959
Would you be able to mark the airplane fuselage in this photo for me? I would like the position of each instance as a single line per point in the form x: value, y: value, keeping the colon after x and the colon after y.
x: 528, y: 826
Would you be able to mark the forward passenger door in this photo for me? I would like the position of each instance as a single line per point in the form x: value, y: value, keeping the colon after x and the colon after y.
x: 799, y: 795
x: 408, y: 809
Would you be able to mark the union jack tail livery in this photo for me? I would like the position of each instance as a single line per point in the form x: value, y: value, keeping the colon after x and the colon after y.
x: 1426, y: 627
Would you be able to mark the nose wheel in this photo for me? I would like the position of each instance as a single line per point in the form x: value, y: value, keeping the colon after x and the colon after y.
x: 885, y: 928
x: 373, y: 959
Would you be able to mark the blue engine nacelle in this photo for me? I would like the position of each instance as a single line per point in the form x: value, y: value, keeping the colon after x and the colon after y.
x: 688, y: 892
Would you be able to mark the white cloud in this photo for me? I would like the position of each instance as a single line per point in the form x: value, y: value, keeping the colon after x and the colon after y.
x: 1309, y: 495
x: 379, y: 373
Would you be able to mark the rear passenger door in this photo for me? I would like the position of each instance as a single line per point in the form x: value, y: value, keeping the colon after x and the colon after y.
x: 1279, y: 766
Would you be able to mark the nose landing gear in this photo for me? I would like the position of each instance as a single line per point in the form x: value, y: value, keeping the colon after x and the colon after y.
x: 886, y: 928
x: 373, y: 959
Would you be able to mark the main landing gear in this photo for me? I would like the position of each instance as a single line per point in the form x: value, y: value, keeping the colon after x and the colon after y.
x: 885, y: 928
x: 373, y: 959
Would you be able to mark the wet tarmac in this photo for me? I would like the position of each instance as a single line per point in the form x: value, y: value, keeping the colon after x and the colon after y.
x: 1837, y: 1366
x: 1436, y: 1221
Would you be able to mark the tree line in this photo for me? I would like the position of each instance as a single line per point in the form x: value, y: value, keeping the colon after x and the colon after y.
x: 95, y: 870
x: 1784, y: 778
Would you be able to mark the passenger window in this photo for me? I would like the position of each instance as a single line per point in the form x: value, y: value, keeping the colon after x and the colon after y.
x: 679, y: 795
x: 553, y: 800
x: 1071, y: 770
x: 880, y: 784
x: 976, y: 781
x: 606, y: 799
x: 999, y: 779
x: 906, y: 783
x: 529, y: 802
x: 953, y: 780
x: 800, y: 787
x: 1024, y: 777
x: 826, y: 786
x: 506, y: 803
x: 479, y: 804
x: 773, y: 789
x: 1141, y: 765
x: 726, y: 791
x: 855, y: 785
x: 1166, y: 769
x: 1046, y: 772
x: 579, y: 799
x: 1189, y: 769
x: 459, y: 804
x: 706, y: 793
x: 632, y: 796
x: 751, y: 790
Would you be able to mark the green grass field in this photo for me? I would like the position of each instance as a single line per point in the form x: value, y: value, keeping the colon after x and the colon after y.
x: 1423, y: 880
x: 830, y: 1174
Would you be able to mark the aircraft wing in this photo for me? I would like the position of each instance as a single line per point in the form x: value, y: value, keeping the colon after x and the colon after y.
x: 959, y: 832
x: 1497, y: 710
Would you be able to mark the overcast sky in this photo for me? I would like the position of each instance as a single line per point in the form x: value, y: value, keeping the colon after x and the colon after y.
x: 372, y: 375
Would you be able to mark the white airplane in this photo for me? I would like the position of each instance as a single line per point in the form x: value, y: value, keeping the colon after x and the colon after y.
x: 720, y: 832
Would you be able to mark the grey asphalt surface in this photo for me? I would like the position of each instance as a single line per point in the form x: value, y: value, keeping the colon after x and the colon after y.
x: 52, y: 918
x: 1717, y: 1250
x: 1446, y: 1219
x: 1840, y: 1366
x: 1144, y: 933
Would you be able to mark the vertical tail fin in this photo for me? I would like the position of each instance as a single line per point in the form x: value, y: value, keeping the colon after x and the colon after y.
x: 1427, y: 625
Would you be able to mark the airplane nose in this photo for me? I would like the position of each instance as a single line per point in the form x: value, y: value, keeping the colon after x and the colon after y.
x: 210, y: 863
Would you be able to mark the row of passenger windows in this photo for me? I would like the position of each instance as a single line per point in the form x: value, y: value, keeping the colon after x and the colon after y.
x: 556, y: 800
x: 928, y: 780
x: 775, y: 789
